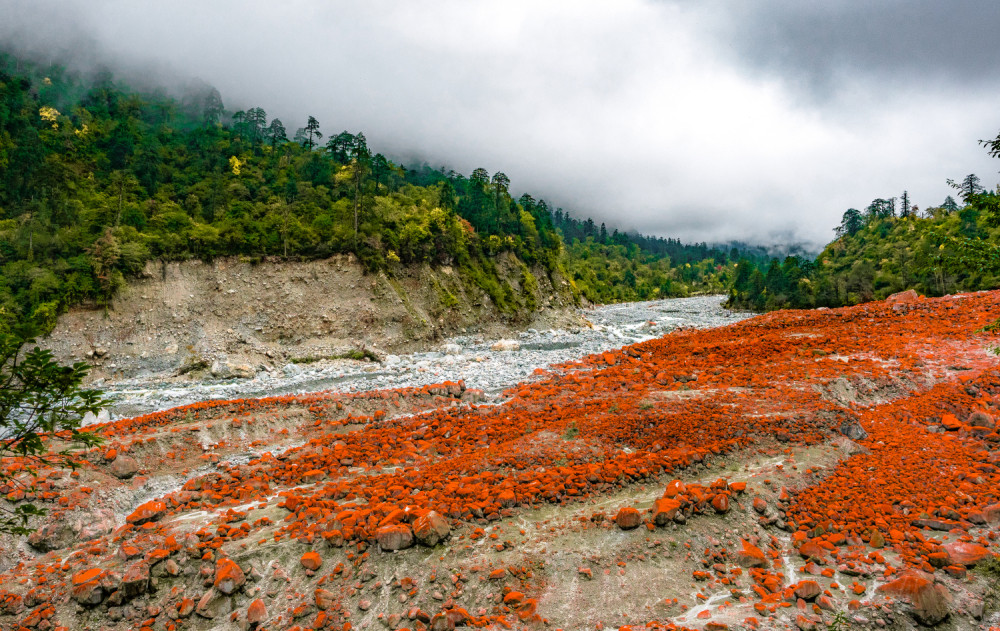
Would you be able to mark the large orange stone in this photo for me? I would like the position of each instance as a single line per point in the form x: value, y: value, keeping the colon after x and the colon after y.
x: 967, y: 554
x: 930, y: 600
x: 229, y: 576
x: 628, y: 518
x: 256, y: 613
x: 394, y: 537
x: 431, y: 528
x: 664, y: 510
x: 150, y: 511
x: 311, y: 561
x: 751, y: 556
x: 87, y: 589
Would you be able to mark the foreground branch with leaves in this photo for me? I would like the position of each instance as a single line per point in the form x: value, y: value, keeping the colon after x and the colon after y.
x: 42, y: 406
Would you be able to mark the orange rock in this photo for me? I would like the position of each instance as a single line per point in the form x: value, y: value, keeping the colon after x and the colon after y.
x: 256, y: 613
x: 721, y: 503
x: 808, y: 590
x: 812, y: 550
x: 87, y: 588
x: 513, y: 598
x: 903, y: 297
x: 967, y: 554
x: 950, y: 422
x: 311, y: 561
x: 751, y: 556
x: 229, y: 576
x: 930, y: 600
x: 526, y: 610
x: 431, y: 528
x: 150, y: 511
x: 628, y: 518
x: 674, y: 489
x: 394, y: 537
x: 136, y: 580
x: 185, y: 608
x: 324, y: 599
x: 664, y: 510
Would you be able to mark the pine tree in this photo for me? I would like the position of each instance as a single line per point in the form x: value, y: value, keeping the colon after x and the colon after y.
x: 212, y: 108
x: 312, y: 132
x: 361, y: 165
x: 276, y: 133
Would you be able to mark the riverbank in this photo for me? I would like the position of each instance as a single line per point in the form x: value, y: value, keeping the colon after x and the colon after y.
x: 483, y: 362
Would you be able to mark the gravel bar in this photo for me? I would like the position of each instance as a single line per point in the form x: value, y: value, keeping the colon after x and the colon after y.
x: 490, y: 365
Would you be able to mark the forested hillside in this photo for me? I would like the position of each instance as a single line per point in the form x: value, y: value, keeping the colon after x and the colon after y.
x: 885, y: 249
x: 96, y: 178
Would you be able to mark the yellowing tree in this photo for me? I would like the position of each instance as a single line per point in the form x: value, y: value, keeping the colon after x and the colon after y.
x: 49, y: 114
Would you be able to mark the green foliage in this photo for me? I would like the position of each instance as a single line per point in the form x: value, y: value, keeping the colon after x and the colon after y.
x: 97, y: 179
x: 618, y: 273
x: 839, y: 622
x: 529, y: 288
x: 485, y: 276
x: 41, y: 403
x: 617, y: 266
x: 357, y: 354
x: 992, y: 327
x: 944, y: 251
x: 989, y: 570
x: 445, y: 297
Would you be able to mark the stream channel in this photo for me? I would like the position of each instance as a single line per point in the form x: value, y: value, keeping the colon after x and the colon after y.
x: 470, y: 358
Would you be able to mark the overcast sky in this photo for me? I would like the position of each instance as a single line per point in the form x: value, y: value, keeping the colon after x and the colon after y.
x: 700, y: 119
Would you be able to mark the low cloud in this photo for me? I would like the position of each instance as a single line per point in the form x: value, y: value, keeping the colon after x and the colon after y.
x: 704, y: 121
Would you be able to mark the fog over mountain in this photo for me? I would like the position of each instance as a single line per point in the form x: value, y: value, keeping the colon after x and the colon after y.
x: 701, y: 120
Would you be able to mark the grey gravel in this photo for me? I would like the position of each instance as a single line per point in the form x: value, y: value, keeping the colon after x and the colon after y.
x: 468, y: 358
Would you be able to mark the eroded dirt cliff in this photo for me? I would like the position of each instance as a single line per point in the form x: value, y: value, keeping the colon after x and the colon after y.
x: 230, y: 318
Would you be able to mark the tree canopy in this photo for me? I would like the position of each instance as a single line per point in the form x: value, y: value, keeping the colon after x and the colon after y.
x: 98, y: 178
x: 946, y: 249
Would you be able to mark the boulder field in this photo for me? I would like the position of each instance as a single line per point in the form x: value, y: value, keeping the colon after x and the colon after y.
x: 801, y: 469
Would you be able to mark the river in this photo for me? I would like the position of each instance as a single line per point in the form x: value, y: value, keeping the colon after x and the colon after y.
x: 469, y: 358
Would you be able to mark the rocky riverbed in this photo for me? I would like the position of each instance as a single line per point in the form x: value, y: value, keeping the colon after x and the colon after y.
x: 490, y: 365
x: 799, y: 470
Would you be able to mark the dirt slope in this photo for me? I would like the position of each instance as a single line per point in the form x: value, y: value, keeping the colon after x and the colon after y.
x: 240, y: 317
x: 810, y: 470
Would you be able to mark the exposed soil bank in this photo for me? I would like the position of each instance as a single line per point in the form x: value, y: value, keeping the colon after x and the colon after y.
x: 231, y: 318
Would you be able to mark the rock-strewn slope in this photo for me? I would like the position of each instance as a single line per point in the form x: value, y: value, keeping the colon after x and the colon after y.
x: 796, y: 469
x: 230, y: 318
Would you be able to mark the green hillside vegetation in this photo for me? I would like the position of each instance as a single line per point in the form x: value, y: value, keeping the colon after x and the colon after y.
x: 616, y: 266
x: 879, y: 251
x: 97, y: 178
